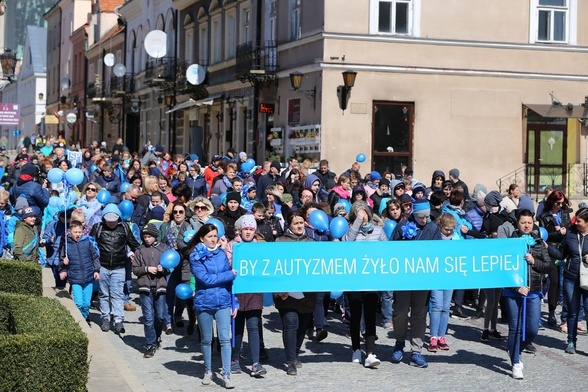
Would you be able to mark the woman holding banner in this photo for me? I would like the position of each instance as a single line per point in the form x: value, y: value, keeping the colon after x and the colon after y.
x: 295, y: 308
x: 363, y: 228
x: 524, y: 303
x: 416, y: 227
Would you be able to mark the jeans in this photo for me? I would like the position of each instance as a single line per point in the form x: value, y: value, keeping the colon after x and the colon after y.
x: 82, y: 296
x: 223, y: 325
x: 573, y: 294
x: 491, y: 313
x: 365, y: 303
x: 514, y: 307
x: 319, y: 312
x: 439, y: 306
x: 251, y: 318
x: 416, y: 303
x: 112, y: 294
x: 153, y: 307
x: 175, y: 306
x: 293, y: 330
x: 386, y: 297
x: 127, y: 291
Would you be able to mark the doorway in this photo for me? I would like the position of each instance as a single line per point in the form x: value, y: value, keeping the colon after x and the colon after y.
x: 546, y: 157
x: 392, y: 136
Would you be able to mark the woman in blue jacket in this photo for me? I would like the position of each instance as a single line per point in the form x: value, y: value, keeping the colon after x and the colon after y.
x: 213, y: 300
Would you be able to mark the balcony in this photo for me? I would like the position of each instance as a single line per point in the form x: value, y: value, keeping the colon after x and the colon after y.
x: 122, y: 86
x: 257, y: 65
x: 159, y: 73
x: 92, y: 91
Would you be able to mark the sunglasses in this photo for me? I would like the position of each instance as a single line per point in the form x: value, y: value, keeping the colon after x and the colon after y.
x: 559, y: 203
x: 91, y: 189
x: 178, y: 212
x: 199, y: 208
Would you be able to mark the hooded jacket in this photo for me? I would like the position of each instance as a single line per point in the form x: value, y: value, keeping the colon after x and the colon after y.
x: 36, y: 195
x: 322, y: 194
x: 83, y: 260
x: 148, y: 256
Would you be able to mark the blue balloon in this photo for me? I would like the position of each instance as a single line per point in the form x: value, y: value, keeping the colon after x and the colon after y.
x: 55, y: 201
x: 250, y: 162
x: 268, y: 299
x: 74, y: 176
x: 338, y: 227
x: 55, y: 175
x: 336, y: 294
x: 383, y: 203
x: 184, y: 291
x: 389, y: 227
x: 188, y: 234
x: 360, y: 157
x: 169, y: 259
x: 319, y: 220
x: 72, y: 196
x: 220, y: 228
x: 544, y: 233
x: 124, y: 186
x: 346, y: 203
x: 93, y: 168
x: 103, y: 196
x: 126, y: 208
x: 246, y: 167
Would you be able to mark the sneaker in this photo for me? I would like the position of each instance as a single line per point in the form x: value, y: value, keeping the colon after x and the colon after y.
x: 158, y: 343
x: 356, y: 357
x: 443, y: 344
x: 563, y: 328
x: 150, y: 352
x: 235, y: 367
x: 531, y: 349
x: 227, y: 383
x: 389, y: 325
x: 398, y: 352
x: 298, y: 363
x: 292, y: 371
x: 478, y: 314
x: 581, y: 329
x: 257, y: 370
x: 130, y: 308
x: 496, y: 335
x: 433, y: 347
x: 321, y: 335
x: 458, y: 314
x: 571, y: 348
x: 485, y: 335
x: 417, y: 359
x: 169, y: 330
x: 105, y: 327
x: 119, y: 328
x: 371, y: 362
x: 517, y: 371
x: 207, y: 379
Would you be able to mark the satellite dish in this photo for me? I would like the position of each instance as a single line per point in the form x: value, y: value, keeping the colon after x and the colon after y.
x: 60, y: 113
x: 156, y: 43
x: 71, y: 117
x: 195, y: 74
x: 65, y: 83
x: 109, y: 60
x: 120, y: 70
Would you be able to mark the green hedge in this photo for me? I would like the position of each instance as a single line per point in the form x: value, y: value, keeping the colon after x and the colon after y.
x: 42, y: 348
x: 21, y: 278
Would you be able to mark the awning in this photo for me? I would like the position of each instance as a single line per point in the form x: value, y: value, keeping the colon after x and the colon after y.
x: 559, y: 111
x: 191, y: 103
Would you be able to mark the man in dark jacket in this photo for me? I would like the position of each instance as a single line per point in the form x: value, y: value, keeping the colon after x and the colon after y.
x: 269, y: 178
x: 37, y: 195
x: 113, y: 236
x: 327, y: 177
x: 454, y: 177
x: 196, y: 181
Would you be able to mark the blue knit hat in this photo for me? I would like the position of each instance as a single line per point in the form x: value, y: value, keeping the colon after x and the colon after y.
x: 375, y: 176
x: 421, y: 207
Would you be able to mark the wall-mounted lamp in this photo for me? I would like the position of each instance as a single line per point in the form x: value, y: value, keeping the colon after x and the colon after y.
x: 41, y: 96
x: 135, y: 105
x: 170, y: 101
x: 296, y: 81
x: 219, y: 117
x: 8, y: 63
x: 344, y: 92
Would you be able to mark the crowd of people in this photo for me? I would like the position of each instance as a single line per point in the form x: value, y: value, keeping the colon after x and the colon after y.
x: 131, y: 208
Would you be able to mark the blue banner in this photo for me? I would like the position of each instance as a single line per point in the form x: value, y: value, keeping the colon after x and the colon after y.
x: 379, y: 265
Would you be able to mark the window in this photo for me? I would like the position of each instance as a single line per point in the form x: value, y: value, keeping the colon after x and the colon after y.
x: 552, y: 22
x: 295, y: 28
x: 216, y: 35
x: 189, y: 46
x: 230, y: 37
x: 392, y: 134
x: 392, y: 17
x: 246, y: 26
x: 203, y: 47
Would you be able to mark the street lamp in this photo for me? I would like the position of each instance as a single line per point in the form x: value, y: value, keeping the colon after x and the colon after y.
x: 344, y: 92
x: 296, y: 82
x: 8, y: 63
x: 41, y: 96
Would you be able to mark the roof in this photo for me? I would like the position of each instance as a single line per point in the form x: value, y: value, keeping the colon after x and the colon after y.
x: 109, y: 5
x: 559, y: 111
x: 38, y: 44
